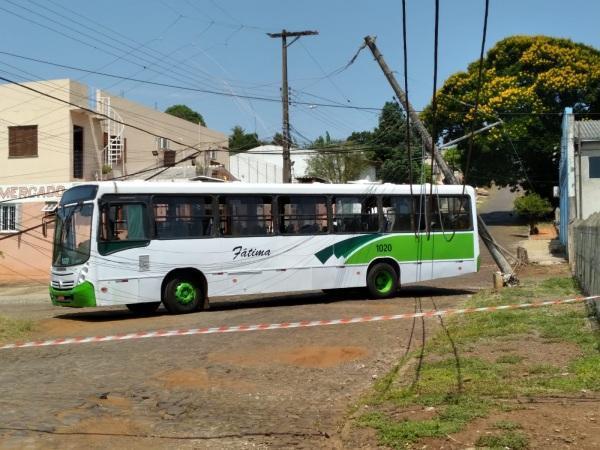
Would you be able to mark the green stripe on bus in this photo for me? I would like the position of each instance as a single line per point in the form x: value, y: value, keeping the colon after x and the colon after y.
x: 345, y: 247
x: 409, y: 247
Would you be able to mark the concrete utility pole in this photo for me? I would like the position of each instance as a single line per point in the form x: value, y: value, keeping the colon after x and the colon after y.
x: 287, y: 166
x: 430, y: 147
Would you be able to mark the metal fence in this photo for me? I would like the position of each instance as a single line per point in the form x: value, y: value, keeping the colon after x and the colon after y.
x: 586, y: 258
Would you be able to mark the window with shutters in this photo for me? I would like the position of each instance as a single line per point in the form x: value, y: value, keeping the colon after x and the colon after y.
x: 77, y: 151
x: 8, y: 218
x: 169, y: 158
x: 23, y: 141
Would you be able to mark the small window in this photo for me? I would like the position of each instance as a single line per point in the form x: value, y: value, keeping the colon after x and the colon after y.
x: 594, y: 164
x: 355, y: 214
x: 169, y: 158
x: 124, y: 222
x: 451, y: 213
x: 8, y: 218
x: 245, y: 215
x: 23, y: 141
x: 182, y: 217
x: 302, y: 214
x: 163, y: 143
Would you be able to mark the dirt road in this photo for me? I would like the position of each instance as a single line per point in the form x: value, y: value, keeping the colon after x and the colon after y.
x: 265, y: 389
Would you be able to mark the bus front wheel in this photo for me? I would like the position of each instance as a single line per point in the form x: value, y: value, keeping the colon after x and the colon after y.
x: 182, y: 295
x: 382, y: 280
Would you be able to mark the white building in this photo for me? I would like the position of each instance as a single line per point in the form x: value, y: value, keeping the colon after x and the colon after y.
x: 57, y: 132
x: 579, y: 171
x: 264, y: 164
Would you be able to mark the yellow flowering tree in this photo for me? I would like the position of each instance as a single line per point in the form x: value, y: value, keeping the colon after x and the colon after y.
x: 528, y: 81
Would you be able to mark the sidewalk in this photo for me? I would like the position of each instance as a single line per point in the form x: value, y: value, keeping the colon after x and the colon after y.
x: 544, y: 248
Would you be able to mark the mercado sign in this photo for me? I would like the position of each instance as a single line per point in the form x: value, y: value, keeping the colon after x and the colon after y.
x: 25, y: 193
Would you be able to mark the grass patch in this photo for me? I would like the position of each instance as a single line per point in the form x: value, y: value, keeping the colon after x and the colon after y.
x: 13, y: 329
x: 469, y: 387
x: 509, y: 359
x: 507, y: 425
x: 452, y: 418
x: 513, y: 440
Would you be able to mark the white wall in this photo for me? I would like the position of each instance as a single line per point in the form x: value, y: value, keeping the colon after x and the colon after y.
x: 590, y: 186
x: 264, y: 164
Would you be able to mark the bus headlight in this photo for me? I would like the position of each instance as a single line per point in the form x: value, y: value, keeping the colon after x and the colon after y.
x: 82, y: 274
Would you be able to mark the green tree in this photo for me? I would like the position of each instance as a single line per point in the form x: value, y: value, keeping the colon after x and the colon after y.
x: 335, y: 160
x: 533, y: 208
x: 528, y: 81
x: 386, y: 147
x: 186, y: 113
x: 240, y: 141
x: 277, y: 139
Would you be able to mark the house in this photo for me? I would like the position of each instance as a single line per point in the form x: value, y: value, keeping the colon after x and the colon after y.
x: 264, y: 164
x: 55, y: 133
x: 579, y: 171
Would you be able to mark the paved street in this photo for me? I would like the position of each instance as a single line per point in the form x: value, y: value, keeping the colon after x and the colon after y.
x: 274, y: 388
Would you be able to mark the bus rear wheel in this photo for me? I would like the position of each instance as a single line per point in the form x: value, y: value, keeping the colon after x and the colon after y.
x: 143, y: 308
x: 382, y: 281
x: 182, y: 295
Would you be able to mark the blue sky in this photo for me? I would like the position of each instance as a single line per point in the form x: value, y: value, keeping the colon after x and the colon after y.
x: 222, y: 45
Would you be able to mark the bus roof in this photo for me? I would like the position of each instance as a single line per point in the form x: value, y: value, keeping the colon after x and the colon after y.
x: 195, y: 187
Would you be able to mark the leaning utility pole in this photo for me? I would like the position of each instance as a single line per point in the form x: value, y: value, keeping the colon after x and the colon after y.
x: 430, y: 147
x: 287, y: 166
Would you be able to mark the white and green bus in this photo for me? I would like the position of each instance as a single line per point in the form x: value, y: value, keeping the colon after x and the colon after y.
x: 140, y: 244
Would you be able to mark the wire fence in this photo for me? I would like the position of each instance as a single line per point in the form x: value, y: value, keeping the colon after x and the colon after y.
x: 586, y: 257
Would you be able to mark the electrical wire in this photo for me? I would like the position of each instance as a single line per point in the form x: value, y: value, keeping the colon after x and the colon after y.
x: 477, y: 95
x: 188, y: 88
x: 434, y: 109
x: 408, y: 133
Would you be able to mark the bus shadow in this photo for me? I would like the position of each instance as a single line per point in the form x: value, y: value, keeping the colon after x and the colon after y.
x: 113, y: 314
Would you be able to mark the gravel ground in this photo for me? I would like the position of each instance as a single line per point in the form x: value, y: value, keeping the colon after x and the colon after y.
x: 267, y: 389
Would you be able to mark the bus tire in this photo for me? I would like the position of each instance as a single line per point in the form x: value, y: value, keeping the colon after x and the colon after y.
x: 382, y: 280
x: 143, y: 308
x: 183, y: 294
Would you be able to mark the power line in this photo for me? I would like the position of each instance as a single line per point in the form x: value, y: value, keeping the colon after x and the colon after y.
x: 143, y: 130
x: 477, y: 94
x: 187, y: 88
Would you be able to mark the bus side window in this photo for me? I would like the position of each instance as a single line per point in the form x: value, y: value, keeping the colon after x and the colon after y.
x: 353, y: 214
x: 123, y: 222
x: 182, y: 217
x: 245, y: 215
x: 396, y: 214
x: 451, y: 213
x: 302, y: 214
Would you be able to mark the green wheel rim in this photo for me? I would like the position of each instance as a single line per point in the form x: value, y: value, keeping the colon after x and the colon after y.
x: 185, y: 293
x: 383, y: 282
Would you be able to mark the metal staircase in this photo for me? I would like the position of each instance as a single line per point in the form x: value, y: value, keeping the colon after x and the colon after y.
x: 111, y: 125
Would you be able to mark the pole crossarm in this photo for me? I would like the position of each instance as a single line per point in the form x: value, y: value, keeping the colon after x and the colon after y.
x: 431, y: 148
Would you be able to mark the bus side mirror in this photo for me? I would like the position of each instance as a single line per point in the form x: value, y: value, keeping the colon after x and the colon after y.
x: 44, y: 228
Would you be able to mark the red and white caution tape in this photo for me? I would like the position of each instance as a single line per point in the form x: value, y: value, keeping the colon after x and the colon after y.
x: 284, y: 325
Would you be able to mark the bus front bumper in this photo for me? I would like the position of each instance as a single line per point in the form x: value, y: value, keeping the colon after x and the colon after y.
x: 80, y: 296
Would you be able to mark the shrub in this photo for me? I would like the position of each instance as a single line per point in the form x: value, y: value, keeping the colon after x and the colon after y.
x: 533, y: 208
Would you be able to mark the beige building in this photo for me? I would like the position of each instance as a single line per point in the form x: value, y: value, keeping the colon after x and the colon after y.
x: 58, y: 132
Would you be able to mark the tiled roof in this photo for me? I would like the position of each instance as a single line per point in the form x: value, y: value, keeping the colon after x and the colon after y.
x: 589, y: 130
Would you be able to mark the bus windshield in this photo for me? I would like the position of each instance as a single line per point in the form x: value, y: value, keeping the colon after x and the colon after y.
x: 72, y: 234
